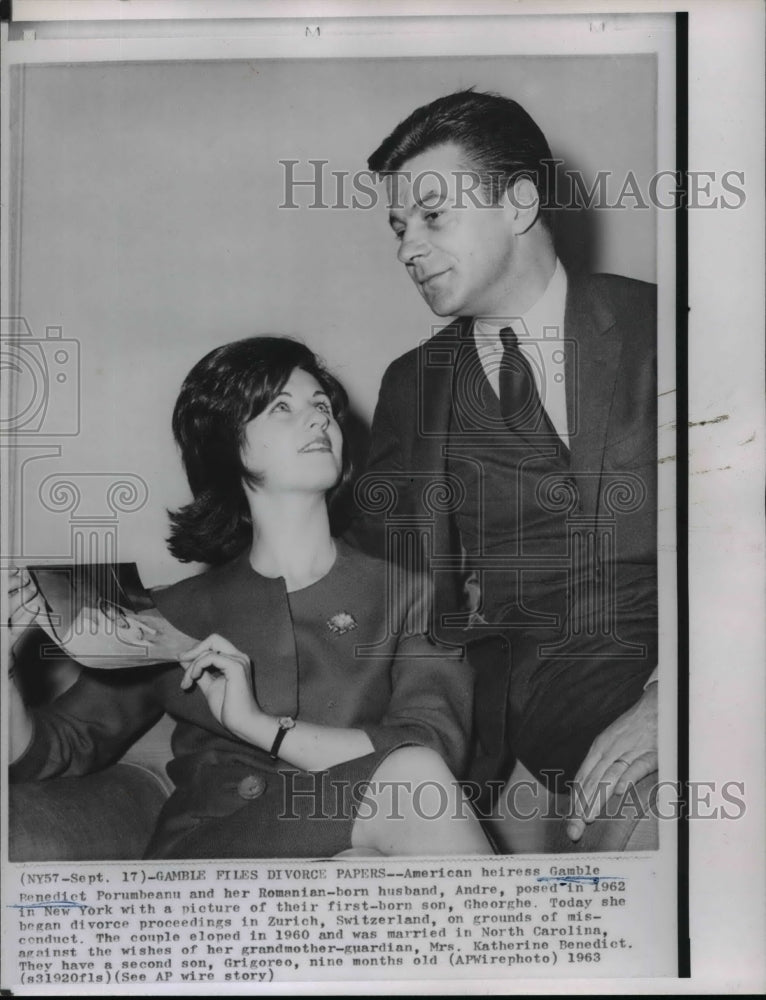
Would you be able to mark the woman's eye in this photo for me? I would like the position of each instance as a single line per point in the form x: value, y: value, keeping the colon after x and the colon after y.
x: 399, y: 234
x: 325, y: 408
x: 281, y: 405
x: 432, y: 216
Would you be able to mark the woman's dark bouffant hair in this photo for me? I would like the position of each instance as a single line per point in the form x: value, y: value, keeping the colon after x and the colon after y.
x: 223, y: 392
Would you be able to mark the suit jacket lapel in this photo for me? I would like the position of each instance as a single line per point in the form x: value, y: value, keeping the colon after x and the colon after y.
x: 437, y: 360
x: 436, y: 372
x: 591, y: 363
x: 436, y: 369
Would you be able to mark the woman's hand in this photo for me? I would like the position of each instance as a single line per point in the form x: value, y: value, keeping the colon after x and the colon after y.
x: 25, y: 607
x: 224, y: 675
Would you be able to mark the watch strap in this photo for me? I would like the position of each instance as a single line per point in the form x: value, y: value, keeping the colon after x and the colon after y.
x: 283, y: 729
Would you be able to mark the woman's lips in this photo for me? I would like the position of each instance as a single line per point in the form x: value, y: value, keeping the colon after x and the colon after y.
x: 318, y: 444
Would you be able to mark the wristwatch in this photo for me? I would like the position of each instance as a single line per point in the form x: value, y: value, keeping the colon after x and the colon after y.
x: 286, y: 723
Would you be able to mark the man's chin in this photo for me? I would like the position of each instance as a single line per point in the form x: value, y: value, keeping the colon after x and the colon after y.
x: 440, y: 306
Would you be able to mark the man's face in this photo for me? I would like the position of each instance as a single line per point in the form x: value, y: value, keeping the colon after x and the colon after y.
x: 456, y: 246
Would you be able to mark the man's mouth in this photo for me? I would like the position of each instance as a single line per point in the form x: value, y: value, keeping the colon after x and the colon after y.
x: 431, y: 277
x: 429, y: 281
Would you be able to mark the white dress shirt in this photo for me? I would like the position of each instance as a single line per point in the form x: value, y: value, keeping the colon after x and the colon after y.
x: 540, y: 333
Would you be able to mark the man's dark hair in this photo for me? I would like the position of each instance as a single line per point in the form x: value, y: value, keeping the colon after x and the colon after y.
x: 222, y: 393
x: 500, y: 141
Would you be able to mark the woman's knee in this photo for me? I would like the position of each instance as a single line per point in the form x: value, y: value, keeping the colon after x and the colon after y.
x: 413, y: 805
x: 414, y: 763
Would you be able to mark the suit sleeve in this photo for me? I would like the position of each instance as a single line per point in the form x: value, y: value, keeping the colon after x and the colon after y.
x: 91, y: 725
x: 385, y: 455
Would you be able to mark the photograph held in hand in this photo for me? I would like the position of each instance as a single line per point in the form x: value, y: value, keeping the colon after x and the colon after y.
x: 102, y: 616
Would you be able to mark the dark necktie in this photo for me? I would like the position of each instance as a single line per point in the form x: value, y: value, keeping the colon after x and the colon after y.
x: 520, y: 402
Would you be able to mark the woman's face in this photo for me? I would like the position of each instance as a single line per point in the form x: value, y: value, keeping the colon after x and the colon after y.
x: 295, y: 444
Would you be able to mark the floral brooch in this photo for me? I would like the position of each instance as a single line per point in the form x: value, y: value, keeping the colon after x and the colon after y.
x: 341, y: 623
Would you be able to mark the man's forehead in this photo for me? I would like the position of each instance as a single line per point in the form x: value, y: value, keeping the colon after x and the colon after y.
x: 405, y: 189
x: 433, y: 176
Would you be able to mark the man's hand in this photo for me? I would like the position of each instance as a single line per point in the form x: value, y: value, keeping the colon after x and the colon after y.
x: 624, y: 753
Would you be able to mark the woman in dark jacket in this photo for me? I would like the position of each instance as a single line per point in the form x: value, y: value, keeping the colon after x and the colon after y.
x: 314, y: 715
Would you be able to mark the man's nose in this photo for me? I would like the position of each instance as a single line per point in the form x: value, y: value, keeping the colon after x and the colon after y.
x: 411, y: 246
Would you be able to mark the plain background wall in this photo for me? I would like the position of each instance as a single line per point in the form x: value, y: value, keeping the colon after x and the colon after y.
x: 147, y: 227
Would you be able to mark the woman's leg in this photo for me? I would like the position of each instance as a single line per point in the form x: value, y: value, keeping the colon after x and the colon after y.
x: 414, y: 806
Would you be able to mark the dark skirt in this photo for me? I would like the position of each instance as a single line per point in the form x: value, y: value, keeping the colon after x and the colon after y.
x: 257, y: 813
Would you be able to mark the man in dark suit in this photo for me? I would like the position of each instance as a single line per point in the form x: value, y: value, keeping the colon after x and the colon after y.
x: 513, y: 454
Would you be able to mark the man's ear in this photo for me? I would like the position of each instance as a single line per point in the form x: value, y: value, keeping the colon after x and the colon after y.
x: 523, y: 203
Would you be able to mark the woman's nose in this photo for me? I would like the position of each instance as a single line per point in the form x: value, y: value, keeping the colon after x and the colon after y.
x: 319, y: 418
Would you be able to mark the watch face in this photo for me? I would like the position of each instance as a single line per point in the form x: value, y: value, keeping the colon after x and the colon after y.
x: 286, y: 722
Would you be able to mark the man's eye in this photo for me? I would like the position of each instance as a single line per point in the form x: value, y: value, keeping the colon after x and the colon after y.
x: 398, y: 234
x: 432, y: 216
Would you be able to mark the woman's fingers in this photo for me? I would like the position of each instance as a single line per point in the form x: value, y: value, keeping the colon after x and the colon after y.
x: 21, y: 589
x: 187, y: 680
x: 205, y: 682
x: 213, y: 644
x: 18, y: 578
x: 25, y: 604
x: 229, y: 666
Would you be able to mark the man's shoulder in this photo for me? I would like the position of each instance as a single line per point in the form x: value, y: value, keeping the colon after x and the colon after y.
x: 408, y: 362
x: 615, y: 290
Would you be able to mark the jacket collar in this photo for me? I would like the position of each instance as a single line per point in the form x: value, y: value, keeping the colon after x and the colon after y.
x: 253, y: 612
x: 592, y: 356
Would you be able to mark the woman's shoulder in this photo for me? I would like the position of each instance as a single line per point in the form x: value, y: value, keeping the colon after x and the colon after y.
x: 190, y: 604
x: 390, y: 580
x: 354, y: 561
x: 349, y: 557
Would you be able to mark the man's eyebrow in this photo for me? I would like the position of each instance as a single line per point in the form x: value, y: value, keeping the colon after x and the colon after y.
x: 424, y: 201
x: 434, y: 193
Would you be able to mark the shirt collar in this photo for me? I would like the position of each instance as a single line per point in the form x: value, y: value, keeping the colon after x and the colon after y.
x: 547, y: 311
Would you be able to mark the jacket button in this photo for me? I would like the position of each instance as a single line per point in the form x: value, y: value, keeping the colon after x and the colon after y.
x: 251, y: 787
